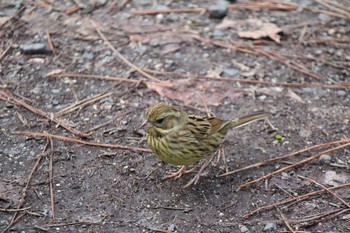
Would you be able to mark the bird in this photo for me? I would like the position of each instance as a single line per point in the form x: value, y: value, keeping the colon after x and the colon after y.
x: 179, y: 138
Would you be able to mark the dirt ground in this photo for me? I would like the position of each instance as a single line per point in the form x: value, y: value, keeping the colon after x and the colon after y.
x: 294, y: 62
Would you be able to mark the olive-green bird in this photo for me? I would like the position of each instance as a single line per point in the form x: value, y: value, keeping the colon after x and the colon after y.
x: 182, y: 139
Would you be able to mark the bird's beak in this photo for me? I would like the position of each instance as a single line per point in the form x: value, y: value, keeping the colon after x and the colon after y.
x: 143, y: 123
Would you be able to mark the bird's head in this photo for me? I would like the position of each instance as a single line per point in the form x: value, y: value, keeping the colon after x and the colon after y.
x: 163, y: 118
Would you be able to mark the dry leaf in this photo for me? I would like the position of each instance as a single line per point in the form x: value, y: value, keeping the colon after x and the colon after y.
x: 253, y: 28
x: 279, y: 92
x: 260, y: 30
x: 227, y: 23
x: 294, y: 96
x: 192, y: 91
x: 138, y: 38
x: 169, y: 48
x: 54, y: 72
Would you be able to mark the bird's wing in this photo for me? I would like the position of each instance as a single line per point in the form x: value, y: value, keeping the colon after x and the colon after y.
x: 216, y: 124
x: 202, y: 127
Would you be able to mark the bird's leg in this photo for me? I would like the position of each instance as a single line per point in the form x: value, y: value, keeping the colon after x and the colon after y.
x: 179, y: 173
x: 200, y: 173
x: 222, y: 156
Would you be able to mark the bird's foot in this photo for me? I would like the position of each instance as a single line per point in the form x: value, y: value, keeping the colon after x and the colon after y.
x: 200, y: 173
x: 179, y: 173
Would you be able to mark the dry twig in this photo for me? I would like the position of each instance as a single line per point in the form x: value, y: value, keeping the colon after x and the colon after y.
x: 16, y: 218
x: 255, y: 165
x: 7, y: 96
x: 121, y: 57
x: 285, y: 220
x: 293, y: 199
x: 293, y: 165
x: 39, y: 134
x: 327, y: 189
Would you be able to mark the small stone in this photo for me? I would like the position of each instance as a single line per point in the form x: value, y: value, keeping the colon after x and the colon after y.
x: 341, y: 93
x: 324, y: 17
x: 343, y: 22
x: 331, y: 31
x: 36, y: 60
x: 88, y: 56
x: 141, y: 49
x: 55, y: 102
x: 230, y: 72
x: 339, y: 53
x: 308, y: 90
x: 219, y: 10
x: 244, y: 229
x: 55, y: 91
x: 318, y: 52
x: 172, y: 227
x: 325, y: 159
x: 154, y: 42
x: 162, y: 7
x: 270, y: 227
x: 159, y: 18
x: 36, y: 90
x: 305, y: 133
x: 221, y: 214
x: 333, y: 179
x: 306, y: 2
x: 218, y: 33
x: 172, y: 17
x: 158, y: 66
x: 35, y: 48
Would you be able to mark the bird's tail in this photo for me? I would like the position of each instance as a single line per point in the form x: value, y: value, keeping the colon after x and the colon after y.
x: 244, y: 120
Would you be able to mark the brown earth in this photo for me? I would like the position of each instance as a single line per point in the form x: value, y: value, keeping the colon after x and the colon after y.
x: 101, y: 189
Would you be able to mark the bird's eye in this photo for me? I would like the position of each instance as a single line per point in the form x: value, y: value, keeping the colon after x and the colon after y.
x: 160, y: 120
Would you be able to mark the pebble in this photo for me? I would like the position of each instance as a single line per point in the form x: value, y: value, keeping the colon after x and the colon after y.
x: 243, y: 229
x: 230, y: 72
x: 308, y: 90
x: 270, y: 227
x: 341, y: 93
x: 141, y: 49
x: 88, y: 56
x: 55, y: 91
x: 154, y: 42
x: 218, y: 33
x: 306, y: 2
x: 331, y: 31
x: 218, y: 10
x: 318, y: 51
x: 159, y: 18
x: 325, y: 159
x: 158, y: 66
x: 172, y: 227
x: 339, y: 53
x: 324, y: 17
x: 172, y: 17
x: 305, y: 133
x: 55, y: 102
x: 343, y: 22
x: 35, y: 48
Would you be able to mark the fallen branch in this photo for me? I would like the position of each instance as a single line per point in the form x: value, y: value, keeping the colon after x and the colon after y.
x: 293, y: 199
x: 121, y: 57
x: 6, y: 96
x: 285, y: 156
x: 293, y: 165
x: 168, y: 11
x: 64, y: 138
x: 16, y: 218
